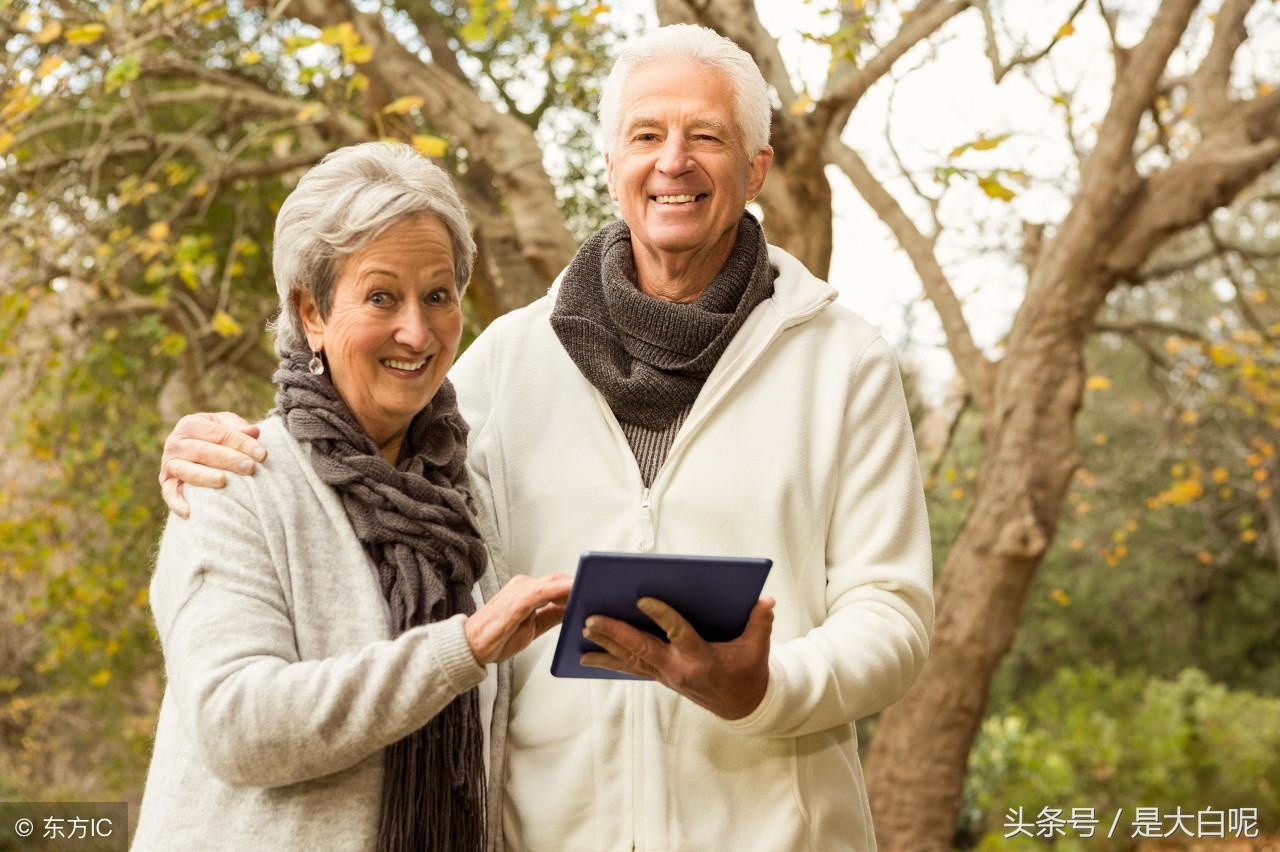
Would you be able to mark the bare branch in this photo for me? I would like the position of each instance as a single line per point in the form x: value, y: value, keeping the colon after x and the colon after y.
x: 1244, y: 145
x: 1113, y: 154
x: 1208, y: 85
x: 1000, y: 69
x: 972, y: 364
x: 846, y: 87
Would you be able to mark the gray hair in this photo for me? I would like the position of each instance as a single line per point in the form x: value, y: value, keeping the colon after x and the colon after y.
x: 341, y: 205
x: 706, y: 47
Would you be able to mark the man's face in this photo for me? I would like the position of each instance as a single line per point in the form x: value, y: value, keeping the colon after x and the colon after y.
x: 679, y: 171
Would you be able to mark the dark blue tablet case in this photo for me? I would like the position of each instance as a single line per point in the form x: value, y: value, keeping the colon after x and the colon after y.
x: 714, y: 593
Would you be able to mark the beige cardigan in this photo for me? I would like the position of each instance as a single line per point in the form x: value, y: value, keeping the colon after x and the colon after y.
x: 284, y: 684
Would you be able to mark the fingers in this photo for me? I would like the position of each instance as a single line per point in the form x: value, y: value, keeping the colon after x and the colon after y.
x: 597, y: 660
x: 198, y: 475
x: 225, y: 429
x: 679, y: 632
x: 236, y: 422
x: 529, y: 593
x: 203, y: 453
x: 546, y: 618
x: 634, y: 648
x: 760, y: 622
x: 171, y: 490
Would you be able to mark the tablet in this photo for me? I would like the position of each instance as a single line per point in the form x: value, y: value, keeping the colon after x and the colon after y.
x: 715, y: 594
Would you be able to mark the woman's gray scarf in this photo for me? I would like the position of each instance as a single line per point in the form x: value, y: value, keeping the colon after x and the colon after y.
x: 414, y: 523
x: 650, y: 357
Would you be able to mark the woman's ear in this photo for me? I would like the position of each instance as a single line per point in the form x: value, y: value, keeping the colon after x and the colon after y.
x: 312, y: 323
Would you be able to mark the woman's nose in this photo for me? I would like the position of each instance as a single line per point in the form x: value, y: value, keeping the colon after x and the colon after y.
x: 414, y: 329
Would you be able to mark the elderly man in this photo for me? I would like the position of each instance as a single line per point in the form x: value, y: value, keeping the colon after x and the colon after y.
x: 687, y: 388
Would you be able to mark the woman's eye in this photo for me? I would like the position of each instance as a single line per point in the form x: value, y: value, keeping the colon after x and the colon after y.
x: 439, y: 297
x: 380, y: 299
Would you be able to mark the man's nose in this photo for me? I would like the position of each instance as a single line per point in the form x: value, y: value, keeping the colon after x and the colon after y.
x: 674, y: 159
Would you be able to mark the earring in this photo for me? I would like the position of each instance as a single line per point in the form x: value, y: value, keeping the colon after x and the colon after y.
x: 315, y: 365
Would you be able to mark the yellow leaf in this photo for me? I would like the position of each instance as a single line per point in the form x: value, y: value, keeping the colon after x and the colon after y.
x: 7, y: 140
x: 1249, y: 535
x: 24, y: 20
x: 1060, y: 597
x: 402, y: 105
x: 51, y: 31
x: 357, y: 83
x: 50, y: 64
x: 102, y: 678
x: 251, y: 57
x: 1100, y: 439
x: 357, y: 54
x: 431, y: 146
x: 87, y: 34
x: 1189, y: 417
x: 338, y: 33
x: 957, y: 493
x: 308, y: 112
x: 1223, y: 355
x: 1258, y: 296
x: 1260, y: 474
x: 995, y: 189
x: 1098, y: 383
x: 1077, y: 544
x: 1205, y: 557
x: 1221, y: 475
x: 224, y: 325
x: 801, y: 105
x: 1065, y: 30
x: 158, y: 232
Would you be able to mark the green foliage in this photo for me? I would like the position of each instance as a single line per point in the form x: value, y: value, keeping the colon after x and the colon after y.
x: 1091, y: 738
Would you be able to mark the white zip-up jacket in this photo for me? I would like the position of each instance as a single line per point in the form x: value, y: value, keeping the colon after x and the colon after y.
x: 799, y: 449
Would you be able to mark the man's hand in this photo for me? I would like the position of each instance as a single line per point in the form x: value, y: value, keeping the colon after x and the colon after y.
x: 727, y: 678
x: 200, y: 448
x: 521, y: 611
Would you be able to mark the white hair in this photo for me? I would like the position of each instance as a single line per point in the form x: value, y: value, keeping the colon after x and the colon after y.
x: 341, y: 205
x: 705, y: 47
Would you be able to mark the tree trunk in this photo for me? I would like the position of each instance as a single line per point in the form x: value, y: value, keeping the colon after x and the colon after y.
x: 920, y: 751
x: 797, y: 198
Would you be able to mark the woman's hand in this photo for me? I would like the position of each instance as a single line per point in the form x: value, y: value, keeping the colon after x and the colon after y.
x: 524, y: 609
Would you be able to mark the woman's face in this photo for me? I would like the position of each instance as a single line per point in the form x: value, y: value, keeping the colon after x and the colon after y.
x: 394, y: 326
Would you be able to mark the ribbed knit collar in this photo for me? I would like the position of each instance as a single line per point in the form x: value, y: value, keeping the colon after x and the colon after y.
x: 650, y: 357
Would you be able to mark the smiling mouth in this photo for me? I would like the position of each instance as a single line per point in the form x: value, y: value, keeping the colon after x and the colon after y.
x: 404, y: 368
x: 678, y: 199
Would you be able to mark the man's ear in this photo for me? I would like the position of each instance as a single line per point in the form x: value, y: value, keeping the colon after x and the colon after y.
x: 312, y: 323
x: 759, y: 169
x: 608, y: 176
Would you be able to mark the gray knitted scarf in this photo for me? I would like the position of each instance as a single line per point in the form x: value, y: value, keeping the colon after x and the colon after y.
x: 650, y: 357
x: 414, y: 522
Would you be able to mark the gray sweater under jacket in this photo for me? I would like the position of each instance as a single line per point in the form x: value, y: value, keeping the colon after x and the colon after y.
x: 283, y: 682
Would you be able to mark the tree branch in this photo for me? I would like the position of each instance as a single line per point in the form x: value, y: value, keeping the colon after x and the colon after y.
x: 845, y: 89
x: 1000, y: 69
x: 971, y: 363
x: 1207, y: 87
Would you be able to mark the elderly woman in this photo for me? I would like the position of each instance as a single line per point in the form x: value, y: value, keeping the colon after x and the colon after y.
x: 325, y: 643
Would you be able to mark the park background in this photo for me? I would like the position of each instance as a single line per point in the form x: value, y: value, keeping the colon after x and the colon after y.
x: 1064, y: 215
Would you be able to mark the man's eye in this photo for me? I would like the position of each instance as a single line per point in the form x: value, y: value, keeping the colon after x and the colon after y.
x: 440, y: 297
